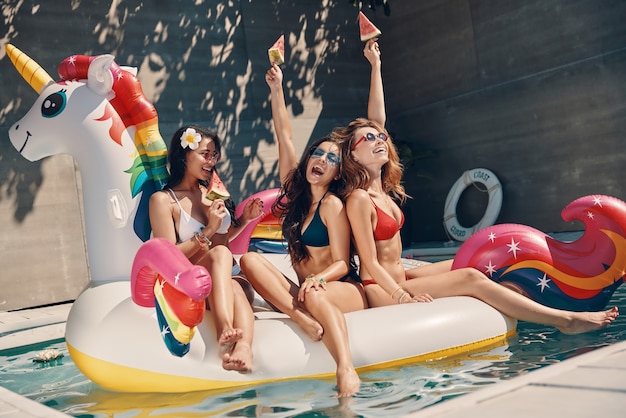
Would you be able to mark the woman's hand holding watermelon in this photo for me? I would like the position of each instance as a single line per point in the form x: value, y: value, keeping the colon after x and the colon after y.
x: 274, y: 77
x: 216, y: 211
x: 372, y: 51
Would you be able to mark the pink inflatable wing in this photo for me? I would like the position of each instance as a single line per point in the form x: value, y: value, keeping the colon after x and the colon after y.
x: 163, y: 278
x: 159, y: 257
x: 580, y: 275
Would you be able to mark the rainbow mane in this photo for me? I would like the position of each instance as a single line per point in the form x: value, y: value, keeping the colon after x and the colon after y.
x: 148, y: 171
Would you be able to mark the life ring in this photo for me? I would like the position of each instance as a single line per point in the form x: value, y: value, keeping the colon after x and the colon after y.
x: 494, y: 188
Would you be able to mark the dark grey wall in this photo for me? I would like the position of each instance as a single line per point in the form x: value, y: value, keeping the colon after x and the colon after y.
x: 533, y: 90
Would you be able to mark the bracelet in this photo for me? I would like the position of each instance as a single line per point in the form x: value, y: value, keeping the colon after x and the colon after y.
x: 312, y: 277
x: 394, y: 292
x: 402, y: 296
x: 202, y: 240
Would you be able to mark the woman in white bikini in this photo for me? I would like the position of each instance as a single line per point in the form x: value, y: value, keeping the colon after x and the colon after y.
x: 201, y: 228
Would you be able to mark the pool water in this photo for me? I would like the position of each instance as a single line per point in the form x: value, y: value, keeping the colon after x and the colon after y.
x: 392, y: 392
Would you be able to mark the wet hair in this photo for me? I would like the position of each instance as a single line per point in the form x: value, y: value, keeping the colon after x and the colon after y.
x: 177, y: 161
x: 295, y: 199
x: 354, y: 174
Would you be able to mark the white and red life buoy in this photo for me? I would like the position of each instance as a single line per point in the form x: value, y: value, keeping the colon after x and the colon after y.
x: 477, y: 175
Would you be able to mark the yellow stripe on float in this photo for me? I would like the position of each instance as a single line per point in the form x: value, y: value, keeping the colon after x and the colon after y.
x: 120, y: 378
x: 445, y: 353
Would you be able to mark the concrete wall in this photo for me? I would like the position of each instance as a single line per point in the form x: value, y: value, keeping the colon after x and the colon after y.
x: 199, y: 62
x: 532, y: 90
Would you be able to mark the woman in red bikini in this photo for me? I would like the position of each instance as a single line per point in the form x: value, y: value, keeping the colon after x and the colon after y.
x: 372, y: 173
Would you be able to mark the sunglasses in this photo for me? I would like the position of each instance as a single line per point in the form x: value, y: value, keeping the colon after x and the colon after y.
x: 331, y: 158
x: 212, y: 156
x: 371, y: 137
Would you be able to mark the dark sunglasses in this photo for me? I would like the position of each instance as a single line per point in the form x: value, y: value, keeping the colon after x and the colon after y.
x: 331, y: 158
x: 371, y: 137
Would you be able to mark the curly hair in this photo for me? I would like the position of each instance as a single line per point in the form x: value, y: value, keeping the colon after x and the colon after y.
x: 177, y: 161
x: 355, y: 175
x: 295, y: 199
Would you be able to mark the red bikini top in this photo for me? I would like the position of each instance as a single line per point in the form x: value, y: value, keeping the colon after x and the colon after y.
x: 386, y: 226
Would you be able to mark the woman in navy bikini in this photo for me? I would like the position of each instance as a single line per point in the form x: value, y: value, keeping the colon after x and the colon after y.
x: 201, y: 230
x: 315, y: 224
x: 372, y: 173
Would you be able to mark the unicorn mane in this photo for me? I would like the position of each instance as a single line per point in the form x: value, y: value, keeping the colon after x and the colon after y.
x: 148, y: 170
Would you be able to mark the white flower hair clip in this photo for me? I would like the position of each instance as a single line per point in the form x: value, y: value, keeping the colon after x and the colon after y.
x: 190, y: 138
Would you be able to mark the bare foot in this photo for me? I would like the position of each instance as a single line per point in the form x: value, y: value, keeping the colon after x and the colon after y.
x: 348, y: 382
x: 590, y: 321
x: 239, y: 359
x: 228, y: 339
x: 230, y: 336
x: 309, y: 325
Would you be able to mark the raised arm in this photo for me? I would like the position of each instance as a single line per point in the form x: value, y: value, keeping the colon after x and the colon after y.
x: 376, y: 101
x: 282, y: 126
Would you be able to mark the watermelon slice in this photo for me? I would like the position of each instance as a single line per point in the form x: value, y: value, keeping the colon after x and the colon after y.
x: 216, y: 189
x: 368, y: 30
x: 277, y: 51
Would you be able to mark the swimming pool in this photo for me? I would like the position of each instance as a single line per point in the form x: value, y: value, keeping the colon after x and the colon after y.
x: 391, y: 392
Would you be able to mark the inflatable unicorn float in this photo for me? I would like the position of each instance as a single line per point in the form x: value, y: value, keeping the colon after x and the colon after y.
x: 143, y: 291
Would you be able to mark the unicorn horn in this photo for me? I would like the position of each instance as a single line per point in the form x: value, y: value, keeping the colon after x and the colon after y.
x: 32, y: 72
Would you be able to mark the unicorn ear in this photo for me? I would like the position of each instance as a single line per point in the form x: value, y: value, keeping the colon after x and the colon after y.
x: 99, y: 76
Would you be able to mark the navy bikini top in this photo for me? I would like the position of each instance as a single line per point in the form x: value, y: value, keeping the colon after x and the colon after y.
x: 316, y: 234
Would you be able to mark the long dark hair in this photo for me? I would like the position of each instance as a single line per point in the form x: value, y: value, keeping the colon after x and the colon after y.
x: 177, y: 161
x: 295, y: 199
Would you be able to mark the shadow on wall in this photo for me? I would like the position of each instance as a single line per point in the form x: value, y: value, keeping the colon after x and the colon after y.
x: 19, y: 179
x: 198, y: 63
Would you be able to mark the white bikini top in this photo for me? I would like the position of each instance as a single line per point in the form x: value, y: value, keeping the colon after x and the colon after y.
x: 189, y: 225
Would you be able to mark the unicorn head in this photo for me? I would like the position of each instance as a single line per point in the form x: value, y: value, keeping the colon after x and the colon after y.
x: 98, y: 114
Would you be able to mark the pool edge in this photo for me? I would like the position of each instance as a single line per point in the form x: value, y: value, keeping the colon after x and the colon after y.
x: 583, y: 383
x: 25, y: 327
